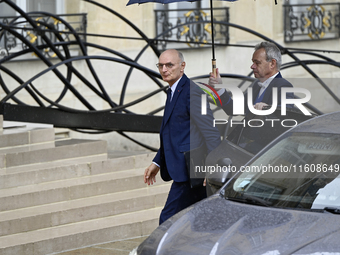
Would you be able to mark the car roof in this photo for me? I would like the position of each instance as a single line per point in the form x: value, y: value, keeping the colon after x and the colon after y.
x: 327, y: 123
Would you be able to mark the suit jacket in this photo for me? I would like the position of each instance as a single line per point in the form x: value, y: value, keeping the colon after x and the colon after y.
x: 277, y: 82
x: 184, y: 128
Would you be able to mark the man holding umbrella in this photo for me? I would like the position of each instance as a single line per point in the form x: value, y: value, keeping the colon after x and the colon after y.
x: 183, y: 128
x: 266, y: 67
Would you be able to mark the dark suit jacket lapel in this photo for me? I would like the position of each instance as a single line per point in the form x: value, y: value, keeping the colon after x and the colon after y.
x: 267, y: 97
x: 256, y: 90
x: 169, y: 108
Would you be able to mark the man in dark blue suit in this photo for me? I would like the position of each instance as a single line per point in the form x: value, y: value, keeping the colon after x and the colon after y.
x: 183, y: 128
x: 266, y: 67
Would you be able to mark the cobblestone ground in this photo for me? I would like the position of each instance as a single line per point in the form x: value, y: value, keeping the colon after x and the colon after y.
x: 122, y: 247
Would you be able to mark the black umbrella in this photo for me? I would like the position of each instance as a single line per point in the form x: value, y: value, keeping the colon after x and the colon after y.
x: 211, y: 14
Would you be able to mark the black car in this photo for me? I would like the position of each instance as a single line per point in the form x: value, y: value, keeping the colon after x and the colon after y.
x: 245, y: 138
x: 285, y: 200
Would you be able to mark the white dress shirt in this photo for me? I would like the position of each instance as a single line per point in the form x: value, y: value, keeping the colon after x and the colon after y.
x: 265, y: 84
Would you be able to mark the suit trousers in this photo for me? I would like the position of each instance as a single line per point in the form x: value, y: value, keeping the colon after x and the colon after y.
x: 181, y: 195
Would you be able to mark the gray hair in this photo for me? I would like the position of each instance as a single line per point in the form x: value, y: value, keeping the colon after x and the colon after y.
x: 272, y: 52
x: 181, y: 57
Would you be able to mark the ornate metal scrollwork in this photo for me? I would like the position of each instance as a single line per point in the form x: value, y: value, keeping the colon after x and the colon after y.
x: 9, y: 42
x: 162, y: 19
x: 24, y: 37
x: 47, y: 27
x: 194, y: 34
x: 311, y: 22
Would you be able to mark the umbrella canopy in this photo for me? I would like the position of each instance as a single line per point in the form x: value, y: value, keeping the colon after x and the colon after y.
x: 211, y: 14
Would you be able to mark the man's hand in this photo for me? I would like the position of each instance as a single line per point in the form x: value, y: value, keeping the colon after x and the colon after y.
x: 259, y: 106
x: 215, y: 80
x: 150, y: 174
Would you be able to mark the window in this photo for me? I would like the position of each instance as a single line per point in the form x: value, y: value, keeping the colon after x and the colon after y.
x: 52, y: 6
x: 7, y: 11
x: 41, y: 5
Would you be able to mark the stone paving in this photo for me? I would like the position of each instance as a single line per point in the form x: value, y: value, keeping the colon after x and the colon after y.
x: 122, y: 247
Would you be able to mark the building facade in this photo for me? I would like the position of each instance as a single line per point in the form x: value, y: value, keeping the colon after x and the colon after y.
x: 293, y: 24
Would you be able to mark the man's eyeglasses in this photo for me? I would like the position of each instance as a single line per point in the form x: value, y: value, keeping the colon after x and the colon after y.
x: 167, y: 65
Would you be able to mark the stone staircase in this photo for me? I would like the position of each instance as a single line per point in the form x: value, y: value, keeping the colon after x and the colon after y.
x: 58, y: 195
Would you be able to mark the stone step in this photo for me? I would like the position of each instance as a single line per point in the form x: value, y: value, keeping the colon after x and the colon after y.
x: 58, y: 195
x: 81, y: 234
x: 69, y: 168
x: 14, y: 133
x: 27, y: 147
x: 101, y: 166
x: 64, y: 149
x: 21, y: 136
x: 49, y: 171
x: 65, y: 212
x: 69, y: 189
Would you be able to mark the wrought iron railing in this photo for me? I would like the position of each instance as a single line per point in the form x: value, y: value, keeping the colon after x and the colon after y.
x: 194, y: 34
x: 305, y: 22
x: 48, y: 25
x: 22, y: 99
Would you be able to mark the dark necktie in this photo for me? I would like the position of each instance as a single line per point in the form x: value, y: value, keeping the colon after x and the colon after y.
x: 167, y: 104
x: 168, y: 94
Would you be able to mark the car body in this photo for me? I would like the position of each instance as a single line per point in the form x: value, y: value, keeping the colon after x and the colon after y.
x: 291, y: 208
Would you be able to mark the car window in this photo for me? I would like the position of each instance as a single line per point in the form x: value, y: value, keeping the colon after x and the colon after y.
x: 253, y: 133
x: 300, y: 171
